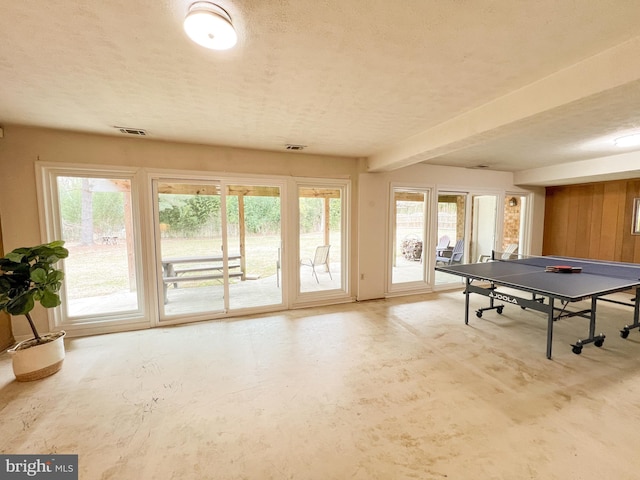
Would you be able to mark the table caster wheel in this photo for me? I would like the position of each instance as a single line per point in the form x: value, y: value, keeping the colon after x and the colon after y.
x: 479, y: 314
x: 624, y: 333
x: 577, y: 349
x: 499, y: 310
x: 599, y: 342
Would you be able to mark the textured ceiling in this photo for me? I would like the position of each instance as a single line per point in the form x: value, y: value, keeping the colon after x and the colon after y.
x: 350, y: 77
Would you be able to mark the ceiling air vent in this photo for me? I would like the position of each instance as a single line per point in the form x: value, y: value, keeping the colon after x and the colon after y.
x: 290, y: 146
x: 132, y: 131
x: 481, y: 166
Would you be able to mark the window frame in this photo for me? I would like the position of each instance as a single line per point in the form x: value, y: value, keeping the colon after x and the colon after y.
x: 51, y: 229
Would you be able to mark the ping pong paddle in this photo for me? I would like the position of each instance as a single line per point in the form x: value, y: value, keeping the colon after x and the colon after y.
x: 562, y: 269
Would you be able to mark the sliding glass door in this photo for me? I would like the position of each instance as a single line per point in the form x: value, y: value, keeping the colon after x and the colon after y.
x: 254, y: 233
x: 322, y: 253
x: 190, y: 248
x: 514, y: 225
x: 149, y: 248
x: 483, y: 227
x: 217, y: 253
x: 409, y: 210
x: 452, y: 239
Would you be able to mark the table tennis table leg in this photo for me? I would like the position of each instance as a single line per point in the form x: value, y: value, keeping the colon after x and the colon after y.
x: 624, y: 333
x: 466, y: 301
x: 592, y: 319
x: 597, y: 340
x: 492, y: 305
x: 550, y: 321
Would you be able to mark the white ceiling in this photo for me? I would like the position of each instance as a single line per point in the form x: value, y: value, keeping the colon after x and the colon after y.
x: 397, y: 82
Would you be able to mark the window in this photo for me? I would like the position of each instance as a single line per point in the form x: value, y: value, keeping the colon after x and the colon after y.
x: 93, y: 212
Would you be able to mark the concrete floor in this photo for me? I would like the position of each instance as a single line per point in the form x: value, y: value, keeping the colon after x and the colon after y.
x: 386, y: 389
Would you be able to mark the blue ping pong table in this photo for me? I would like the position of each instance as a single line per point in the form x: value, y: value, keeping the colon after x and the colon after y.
x: 551, y: 292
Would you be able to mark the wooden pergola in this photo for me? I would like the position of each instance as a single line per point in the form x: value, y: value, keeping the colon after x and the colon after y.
x: 240, y: 191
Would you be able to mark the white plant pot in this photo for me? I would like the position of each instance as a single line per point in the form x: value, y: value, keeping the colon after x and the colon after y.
x: 38, y: 361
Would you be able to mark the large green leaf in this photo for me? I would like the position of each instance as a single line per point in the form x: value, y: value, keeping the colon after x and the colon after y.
x: 21, y: 304
x: 49, y: 299
x: 61, y: 252
x: 39, y: 275
x: 56, y: 244
x: 55, y: 276
x: 14, y: 256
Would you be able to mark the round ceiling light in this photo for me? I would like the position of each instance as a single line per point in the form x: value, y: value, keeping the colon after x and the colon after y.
x: 628, y: 140
x: 209, y: 25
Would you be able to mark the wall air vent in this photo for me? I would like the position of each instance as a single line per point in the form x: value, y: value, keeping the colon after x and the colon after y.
x: 290, y: 146
x: 138, y: 132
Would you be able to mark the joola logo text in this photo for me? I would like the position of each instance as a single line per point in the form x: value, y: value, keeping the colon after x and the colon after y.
x: 502, y: 297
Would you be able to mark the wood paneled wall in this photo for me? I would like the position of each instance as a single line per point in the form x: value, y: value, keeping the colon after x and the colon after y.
x: 592, y: 221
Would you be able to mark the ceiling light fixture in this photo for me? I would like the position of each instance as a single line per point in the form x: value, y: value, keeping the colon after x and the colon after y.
x: 628, y: 140
x: 209, y: 25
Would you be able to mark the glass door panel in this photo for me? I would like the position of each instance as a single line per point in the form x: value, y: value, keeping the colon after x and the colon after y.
x: 321, y: 238
x: 254, y: 233
x: 451, y: 233
x: 101, y: 278
x: 513, y: 226
x: 409, y: 211
x: 189, y: 239
x: 483, y: 227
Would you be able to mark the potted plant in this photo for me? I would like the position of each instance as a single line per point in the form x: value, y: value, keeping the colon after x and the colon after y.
x: 28, y: 275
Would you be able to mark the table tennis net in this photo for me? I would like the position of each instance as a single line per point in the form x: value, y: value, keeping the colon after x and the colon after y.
x: 594, y: 267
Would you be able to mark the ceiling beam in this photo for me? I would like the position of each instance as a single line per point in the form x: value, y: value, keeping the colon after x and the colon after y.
x: 609, y: 69
x: 614, y: 167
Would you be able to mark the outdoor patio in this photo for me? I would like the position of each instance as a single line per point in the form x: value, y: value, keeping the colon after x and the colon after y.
x: 189, y: 298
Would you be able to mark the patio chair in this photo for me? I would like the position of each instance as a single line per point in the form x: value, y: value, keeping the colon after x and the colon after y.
x: 320, y: 258
x: 452, y: 256
x: 443, y: 245
x: 510, y: 252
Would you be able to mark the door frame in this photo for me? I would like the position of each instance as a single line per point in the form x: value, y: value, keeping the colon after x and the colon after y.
x: 418, y: 286
x: 223, y: 180
x: 342, y: 294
